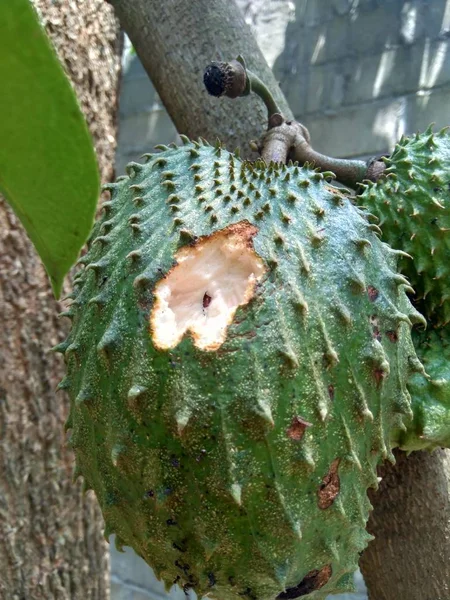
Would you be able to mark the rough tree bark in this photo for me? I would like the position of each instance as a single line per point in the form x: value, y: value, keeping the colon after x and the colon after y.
x: 51, y: 541
x: 175, y: 40
x: 409, y: 558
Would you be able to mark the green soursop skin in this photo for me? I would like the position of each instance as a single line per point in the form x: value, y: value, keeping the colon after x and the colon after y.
x: 412, y: 200
x: 430, y: 395
x: 235, y: 457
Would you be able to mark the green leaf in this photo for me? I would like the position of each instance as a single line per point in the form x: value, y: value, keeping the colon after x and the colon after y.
x: 48, y: 170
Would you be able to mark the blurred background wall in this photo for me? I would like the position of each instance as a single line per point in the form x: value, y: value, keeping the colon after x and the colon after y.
x: 357, y: 73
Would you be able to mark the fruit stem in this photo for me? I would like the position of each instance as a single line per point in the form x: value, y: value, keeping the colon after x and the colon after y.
x: 290, y: 140
x: 284, y: 140
x: 347, y: 171
x: 257, y: 86
x: 234, y: 80
x: 350, y: 172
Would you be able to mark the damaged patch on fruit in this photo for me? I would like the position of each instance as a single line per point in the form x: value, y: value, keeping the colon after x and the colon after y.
x: 200, y: 295
x: 330, y: 486
x: 313, y: 581
x: 297, y: 428
x: 373, y: 293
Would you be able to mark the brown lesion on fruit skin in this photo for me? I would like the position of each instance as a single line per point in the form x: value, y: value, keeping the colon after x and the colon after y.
x: 376, y: 334
x: 392, y: 335
x: 243, y: 233
x: 330, y: 486
x: 335, y: 191
x: 297, y: 428
x: 372, y: 292
x: 311, y: 582
x: 206, y: 300
x: 379, y: 376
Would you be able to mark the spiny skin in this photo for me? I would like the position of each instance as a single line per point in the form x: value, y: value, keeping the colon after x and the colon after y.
x: 243, y: 471
x: 412, y: 201
x: 430, y: 428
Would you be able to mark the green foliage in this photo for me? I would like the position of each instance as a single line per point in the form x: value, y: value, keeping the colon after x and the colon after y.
x: 48, y: 171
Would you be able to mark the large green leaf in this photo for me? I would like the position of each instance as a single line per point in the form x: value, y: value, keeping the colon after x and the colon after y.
x: 48, y: 170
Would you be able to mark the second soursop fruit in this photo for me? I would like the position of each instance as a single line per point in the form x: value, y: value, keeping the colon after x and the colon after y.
x: 412, y: 200
x: 430, y: 395
x: 237, y: 363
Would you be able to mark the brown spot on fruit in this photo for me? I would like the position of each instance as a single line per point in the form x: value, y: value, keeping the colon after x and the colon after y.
x: 311, y: 582
x: 224, y: 263
x: 334, y: 191
x: 372, y: 292
x: 376, y: 334
x: 297, y: 428
x: 331, y: 391
x: 330, y: 486
x: 379, y: 375
x: 206, y: 300
x: 392, y: 336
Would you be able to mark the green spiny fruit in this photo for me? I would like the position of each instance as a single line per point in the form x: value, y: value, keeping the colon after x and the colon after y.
x: 430, y: 395
x: 412, y: 200
x: 238, y: 360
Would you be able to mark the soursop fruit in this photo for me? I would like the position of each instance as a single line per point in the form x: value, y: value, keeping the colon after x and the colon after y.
x: 237, y: 364
x: 430, y: 395
x: 412, y: 199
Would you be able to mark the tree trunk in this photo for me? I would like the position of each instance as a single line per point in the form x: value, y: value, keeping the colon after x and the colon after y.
x: 409, y: 558
x: 51, y: 543
x: 175, y: 40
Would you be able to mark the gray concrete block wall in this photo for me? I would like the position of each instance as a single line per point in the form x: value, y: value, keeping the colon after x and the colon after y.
x: 360, y: 73
x: 357, y: 73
